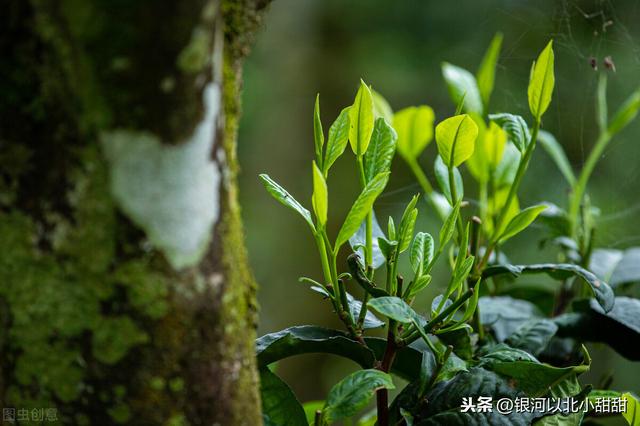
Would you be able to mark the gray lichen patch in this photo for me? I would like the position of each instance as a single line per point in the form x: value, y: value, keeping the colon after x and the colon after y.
x: 170, y: 191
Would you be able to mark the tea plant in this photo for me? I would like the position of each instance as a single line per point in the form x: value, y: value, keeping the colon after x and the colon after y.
x: 511, y: 343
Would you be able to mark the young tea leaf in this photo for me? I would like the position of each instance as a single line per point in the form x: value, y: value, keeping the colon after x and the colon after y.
x: 280, y: 194
x: 521, y: 221
x: 353, y: 393
x: 462, y: 84
x: 337, y: 140
x: 361, y: 207
x: 456, y: 138
x: 378, y: 157
x: 361, y: 118
x: 486, y: 72
x: 449, y: 226
x: 516, y: 128
x: 415, y: 130
x: 541, y: 82
x: 318, y: 135
x: 320, y: 197
x: 422, y: 251
x: 407, y: 223
x: 358, y: 242
x: 420, y: 284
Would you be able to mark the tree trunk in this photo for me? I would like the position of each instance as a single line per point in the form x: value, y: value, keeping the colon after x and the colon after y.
x: 125, y: 295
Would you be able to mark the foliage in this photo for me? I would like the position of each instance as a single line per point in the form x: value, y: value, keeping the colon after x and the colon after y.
x: 463, y: 345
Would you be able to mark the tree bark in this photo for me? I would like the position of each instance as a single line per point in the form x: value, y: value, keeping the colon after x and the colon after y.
x: 125, y: 295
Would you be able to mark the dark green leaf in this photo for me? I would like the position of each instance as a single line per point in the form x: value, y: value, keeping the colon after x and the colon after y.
x: 312, y: 339
x: 516, y: 128
x: 353, y: 393
x: 280, y: 194
x: 361, y: 207
x: 370, y: 320
x: 356, y: 268
x: 504, y: 315
x: 280, y: 407
x: 461, y: 341
x: 560, y: 271
x: 442, y: 176
x: 378, y: 157
x: 619, y: 328
x: 445, y: 400
x: 337, y: 140
x: 556, y: 152
x: 394, y: 308
x: 569, y: 388
x: 503, y: 353
x: 533, y: 336
x: 462, y: 85
x: 617, y: 267
x: 536, y: 379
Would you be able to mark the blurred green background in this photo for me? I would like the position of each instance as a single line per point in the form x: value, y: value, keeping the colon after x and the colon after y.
x: 326, y: 46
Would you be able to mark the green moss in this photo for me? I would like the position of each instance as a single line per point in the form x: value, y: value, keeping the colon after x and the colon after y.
x: 56, y: 297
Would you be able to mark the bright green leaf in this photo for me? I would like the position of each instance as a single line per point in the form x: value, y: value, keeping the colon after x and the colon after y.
x: 462, y: 84
x: 280, y: 194
x: 456, y: 138
x: 337, y: 140
x: 533, y: 336
x: 407, y: 223
x: 381, y: 107
x: 449, y: 226
x: 318, y: 135
x: 361, y: 120
x: 320, y: 198
x: 415, y: 130
x: 541, y: 82
x: 361, y: 207
x: 378, y: 157
x: 521, y: 221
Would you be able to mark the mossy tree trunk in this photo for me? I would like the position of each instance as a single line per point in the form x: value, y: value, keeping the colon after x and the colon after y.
x: 125, y: 295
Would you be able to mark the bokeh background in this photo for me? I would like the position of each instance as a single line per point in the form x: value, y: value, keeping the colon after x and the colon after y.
x: 326, y: 46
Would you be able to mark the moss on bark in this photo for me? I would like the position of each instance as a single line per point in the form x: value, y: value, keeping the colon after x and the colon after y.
x: 95, y: 322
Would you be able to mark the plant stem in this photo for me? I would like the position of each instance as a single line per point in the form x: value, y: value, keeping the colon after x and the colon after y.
x: 382, y: 395
x: 513, y: 190
x: 326, y: 269
x: 581, y: 184
x: 441, y: 316
x: 368, y: 252
x: 454, y: 199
